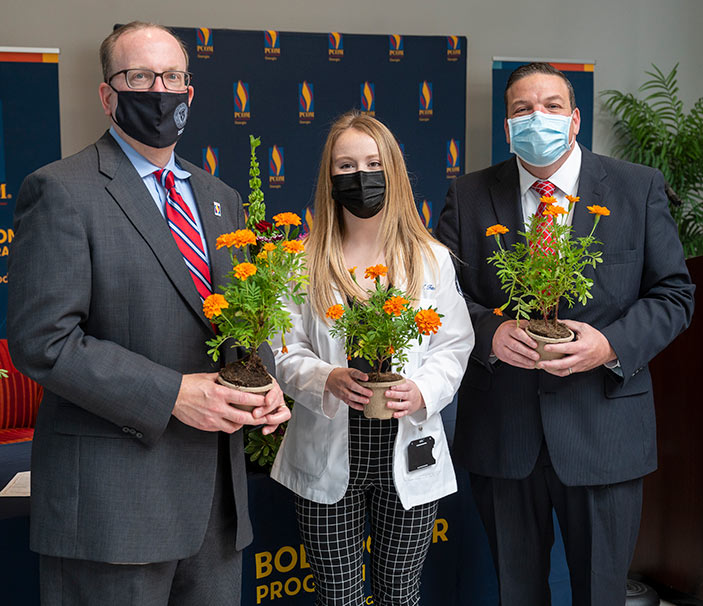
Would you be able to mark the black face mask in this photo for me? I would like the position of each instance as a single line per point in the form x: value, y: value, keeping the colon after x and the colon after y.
x: 154, y: 119
x: 361, y: 193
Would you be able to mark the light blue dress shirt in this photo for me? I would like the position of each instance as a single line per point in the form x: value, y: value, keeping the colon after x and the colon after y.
x: 158, y: 193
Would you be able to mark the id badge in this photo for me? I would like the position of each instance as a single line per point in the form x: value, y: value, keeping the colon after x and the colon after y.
x: 420, y: 453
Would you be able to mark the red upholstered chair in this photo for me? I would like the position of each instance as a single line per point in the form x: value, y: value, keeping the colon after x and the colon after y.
x: 19, y: 401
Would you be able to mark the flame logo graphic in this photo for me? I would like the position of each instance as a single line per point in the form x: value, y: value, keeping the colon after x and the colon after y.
x: 211, y: 160
x: 271, y: 37
x: 335, y: 40
x: 452, y: 153
x: 426, y: 95
x: 241, y: 97
x: 204, y: 36
x: 308, y: 218
x: 276, y: 160
x: 305, y: 98
x: 396, y: 41
x: 367, y: 96
x: 453, y: 42
x: 426, y: 213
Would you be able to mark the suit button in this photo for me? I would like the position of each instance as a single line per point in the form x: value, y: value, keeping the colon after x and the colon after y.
x: 139, y: 434
x: 125, y: 429
x: 132, y: 430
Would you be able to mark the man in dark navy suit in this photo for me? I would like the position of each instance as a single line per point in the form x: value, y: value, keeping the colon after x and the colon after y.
x: 576, y: 434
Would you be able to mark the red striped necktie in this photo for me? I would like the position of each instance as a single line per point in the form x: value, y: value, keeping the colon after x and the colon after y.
x: 544, y: 188
x: 185, y: 232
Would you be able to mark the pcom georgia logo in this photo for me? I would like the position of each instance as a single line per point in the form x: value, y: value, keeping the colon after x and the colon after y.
x: 6, y: 237
x: 272, y: 45
x: 395, y: 48
x: 211, y: 160
x: 335, y: 49
x: 425, y: 210
x: 453, y: 164
x: 276, y: 167
x: 368, y: 98
x: 306, y: 102
x: 241, y: 102
x: 453, y: 48
x: 203, y: 43
x: 425, y: 110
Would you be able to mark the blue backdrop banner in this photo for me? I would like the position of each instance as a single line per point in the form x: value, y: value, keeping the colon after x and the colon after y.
x: 29, y: 134
x: 288, y: 88
x: 579, y: 74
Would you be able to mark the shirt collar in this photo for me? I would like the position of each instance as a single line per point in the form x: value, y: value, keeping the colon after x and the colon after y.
x: 565, y: 179
x: 142, y: 165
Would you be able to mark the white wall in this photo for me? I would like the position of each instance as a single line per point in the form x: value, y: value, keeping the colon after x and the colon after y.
x: 623, y: 36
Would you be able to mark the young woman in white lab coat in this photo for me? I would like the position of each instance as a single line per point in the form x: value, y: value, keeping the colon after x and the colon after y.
x: 341, y: 466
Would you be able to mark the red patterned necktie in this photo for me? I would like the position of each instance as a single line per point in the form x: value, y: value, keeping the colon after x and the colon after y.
x: 544, y: 229
x: 185, y: 232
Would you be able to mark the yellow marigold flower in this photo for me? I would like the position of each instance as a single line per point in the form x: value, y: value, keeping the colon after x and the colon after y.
x: 598, y: 210
x: 498, y: 311
x: 395, y: 306
x: 244, y: 270
x: 427, y: 321
x: 548, y: 200
x: 263, y: 255
x: 286, y: 219
x: 293, y: 246
x: 225, y: 240
x: 269, y: 247
x: 554, y: 210
x: 573, y: 199
x: 213, y: 306
x: 496, y: 229
x: 335, y: 312
x: 352, y: 270
x: 375, y: 271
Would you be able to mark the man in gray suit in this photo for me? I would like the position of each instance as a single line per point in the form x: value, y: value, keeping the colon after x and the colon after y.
x: 577, y: 434
x: 138, y: 482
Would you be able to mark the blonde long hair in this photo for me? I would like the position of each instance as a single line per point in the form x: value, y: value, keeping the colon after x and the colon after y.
x: 405, y: 239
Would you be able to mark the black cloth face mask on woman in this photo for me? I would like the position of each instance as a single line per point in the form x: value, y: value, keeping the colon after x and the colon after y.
x: 361, y: 193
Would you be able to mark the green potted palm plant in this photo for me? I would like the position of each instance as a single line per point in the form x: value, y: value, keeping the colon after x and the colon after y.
x: 656, y: 131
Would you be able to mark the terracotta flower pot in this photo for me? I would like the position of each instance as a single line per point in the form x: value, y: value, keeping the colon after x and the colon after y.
x: 542, y: 341
x: 262, y: 390
x: 376, y: 408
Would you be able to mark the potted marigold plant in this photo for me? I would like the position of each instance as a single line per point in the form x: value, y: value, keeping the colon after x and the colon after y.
x: 250, y: 309
x: 380, y: 330
x: 546, y: 269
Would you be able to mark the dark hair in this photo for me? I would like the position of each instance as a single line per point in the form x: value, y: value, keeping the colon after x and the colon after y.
x: 537, y: 68
x: 108, y: 44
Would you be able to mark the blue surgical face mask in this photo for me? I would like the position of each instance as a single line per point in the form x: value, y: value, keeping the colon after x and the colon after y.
x: 539, y: 139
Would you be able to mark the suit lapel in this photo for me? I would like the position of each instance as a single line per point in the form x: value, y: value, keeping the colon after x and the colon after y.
x: 128, y: 190
x: 505, y: 197
x: 592, y: 190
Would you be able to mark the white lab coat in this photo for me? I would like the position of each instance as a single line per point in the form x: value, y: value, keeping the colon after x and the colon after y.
x: 313, y: 460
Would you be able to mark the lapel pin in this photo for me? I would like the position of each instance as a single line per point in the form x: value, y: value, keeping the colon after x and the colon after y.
x: 217, y: 209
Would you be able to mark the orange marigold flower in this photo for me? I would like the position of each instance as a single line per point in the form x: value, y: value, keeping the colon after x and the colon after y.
x: 286, y: 219
x: 554, y: 210
x: 335, y: 312
x: 548, y: 200
x: 496, y: 229
x: 242, y: 237
x: 598, y: 210
x: 427, y: 321
x: 375, y: 271
x: 244, y: 270
x: 573, y: 199
x: 391, y: 351
x: 269, y: 247
x: 293, y: 246
x: 395, y: 306
x: 213, y: 306
x: 498, y: 311
x: 225, y: 240
x: 284, y: 349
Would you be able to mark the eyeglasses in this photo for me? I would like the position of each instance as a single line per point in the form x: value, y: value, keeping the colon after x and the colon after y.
x: 143, y: 79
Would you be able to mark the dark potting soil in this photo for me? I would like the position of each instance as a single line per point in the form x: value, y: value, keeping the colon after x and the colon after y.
x: 238, y: 373
x: 549, y: 329
x: 379, y: 377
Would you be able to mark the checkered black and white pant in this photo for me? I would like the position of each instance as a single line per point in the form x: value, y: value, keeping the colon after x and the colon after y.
x: 333, y: 535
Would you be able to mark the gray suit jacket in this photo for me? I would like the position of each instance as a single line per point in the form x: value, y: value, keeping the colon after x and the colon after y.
x: 103, y: 313
x: 599, y: 429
